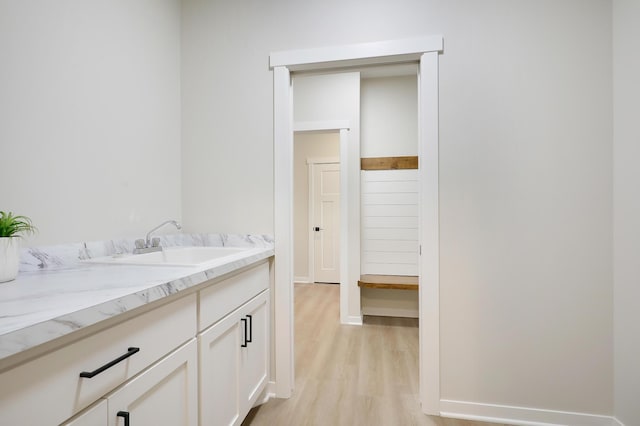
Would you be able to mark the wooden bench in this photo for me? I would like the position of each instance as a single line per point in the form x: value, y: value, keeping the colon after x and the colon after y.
x: 398, y: 282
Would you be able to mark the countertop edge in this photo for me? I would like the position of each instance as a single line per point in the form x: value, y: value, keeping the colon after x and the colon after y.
x: 16, y: 343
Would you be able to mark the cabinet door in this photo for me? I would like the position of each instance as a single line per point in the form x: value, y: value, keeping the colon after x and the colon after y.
x: 254, y: 357
x: 165, y: 394
x: 92, y: 416
x: 219, y: 368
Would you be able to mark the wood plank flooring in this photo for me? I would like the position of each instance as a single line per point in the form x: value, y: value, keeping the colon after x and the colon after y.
x: 350, y: 375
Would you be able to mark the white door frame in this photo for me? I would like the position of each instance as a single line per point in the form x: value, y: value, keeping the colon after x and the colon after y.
x: 425, y: 50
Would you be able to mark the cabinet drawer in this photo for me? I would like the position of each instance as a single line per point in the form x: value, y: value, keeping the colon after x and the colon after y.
x: 165, y: 394
x: 225, y: 296
x: 49, y: 389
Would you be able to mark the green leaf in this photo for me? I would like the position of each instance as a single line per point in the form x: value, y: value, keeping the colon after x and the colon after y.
x: 15, y: 226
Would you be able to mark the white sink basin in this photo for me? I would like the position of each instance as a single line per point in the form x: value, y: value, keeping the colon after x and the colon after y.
x: 174, y: 256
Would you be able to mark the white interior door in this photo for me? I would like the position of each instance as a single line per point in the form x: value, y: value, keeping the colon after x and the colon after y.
x: 326, y: 222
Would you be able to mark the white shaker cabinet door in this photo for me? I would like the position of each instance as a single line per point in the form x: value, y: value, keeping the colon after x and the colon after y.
x: 219, y: 369
x: 234, y: 363
x: 254, y: 354
x: 164, y: 395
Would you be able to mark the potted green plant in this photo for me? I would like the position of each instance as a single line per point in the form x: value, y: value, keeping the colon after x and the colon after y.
x: 12, y: 228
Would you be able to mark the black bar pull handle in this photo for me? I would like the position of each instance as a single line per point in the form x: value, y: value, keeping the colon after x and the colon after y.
x: 90, y: 374
x: 125, y: 416
x: 250, y: 328
x: 244, y: 337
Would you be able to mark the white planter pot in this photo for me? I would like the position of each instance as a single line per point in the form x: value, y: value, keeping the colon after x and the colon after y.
x: 9, y: 258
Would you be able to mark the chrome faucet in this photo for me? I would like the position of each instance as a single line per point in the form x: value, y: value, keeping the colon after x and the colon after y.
x: 149, y: 245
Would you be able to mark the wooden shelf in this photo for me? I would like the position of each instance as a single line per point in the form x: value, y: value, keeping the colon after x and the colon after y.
x: 398, y: 282
x: 389, y: 163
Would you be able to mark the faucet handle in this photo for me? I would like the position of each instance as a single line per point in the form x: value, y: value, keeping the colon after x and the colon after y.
x: 140, y: 244
x: 155, y: 242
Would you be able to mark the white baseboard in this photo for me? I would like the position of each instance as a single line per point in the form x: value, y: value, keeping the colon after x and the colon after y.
x: 389, y: 312
x: 266, y: 394
x: 617, y: 422
x: 520, y: 416
x: 354, y: 320
x: 302, y: 280
x: 270, y: 390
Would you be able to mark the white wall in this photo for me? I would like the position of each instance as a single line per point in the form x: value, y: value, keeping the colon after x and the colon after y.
x: 525, y: 172
x: 389, y: 121
x: 626, y: 205
x: 306, y: 146
x: 390, y: 303
x: 336, y: 97
x: 90, y: 116
x: 227, y: 109
x: 327, y: 97
x: 525, y: 205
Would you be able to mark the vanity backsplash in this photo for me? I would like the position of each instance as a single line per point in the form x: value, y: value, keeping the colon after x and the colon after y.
x: 66, y: 256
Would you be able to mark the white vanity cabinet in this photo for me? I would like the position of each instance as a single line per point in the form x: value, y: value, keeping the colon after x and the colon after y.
x: 234, y: 350
x: 198, y: 359
x: 50, y: 389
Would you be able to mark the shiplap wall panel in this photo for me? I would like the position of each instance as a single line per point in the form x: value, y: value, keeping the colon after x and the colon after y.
x: 400, y: 198
x: 392, y: 222
x: 391, y: 187
x: 389, y: 237
x: 392, y: 210
x: 390, y: 234
x: 392, y: 245
x: 389, y: 257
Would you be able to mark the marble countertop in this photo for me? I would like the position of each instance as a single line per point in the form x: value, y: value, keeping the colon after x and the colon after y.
x: 56, y: 293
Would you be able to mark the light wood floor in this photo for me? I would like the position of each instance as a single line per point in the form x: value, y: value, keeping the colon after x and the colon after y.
x: 350, y: 375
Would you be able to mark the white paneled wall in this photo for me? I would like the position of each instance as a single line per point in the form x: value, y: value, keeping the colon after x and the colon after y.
x: 389, y: 239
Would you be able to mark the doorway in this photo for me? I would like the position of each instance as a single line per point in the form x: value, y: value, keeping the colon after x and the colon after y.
x: 316, y: 207
x: 425, y: 51
x: 325, y: 219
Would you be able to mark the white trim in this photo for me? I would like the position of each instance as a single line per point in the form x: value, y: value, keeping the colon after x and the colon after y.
x: 521, y: 416
x: 311, y: 248
x: 349, y: 229
x: 429, y: 234
x: 271, y: 389
x: 353, y: 320
x: 283, y: 244
x: 340, y: 57
x: 267, y: 394
x: 390, y: 51
x: 320, y: 126
x: 381, y: 311
x: 322, y: 160
x: 302, y: 280
x: 616, y: 422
